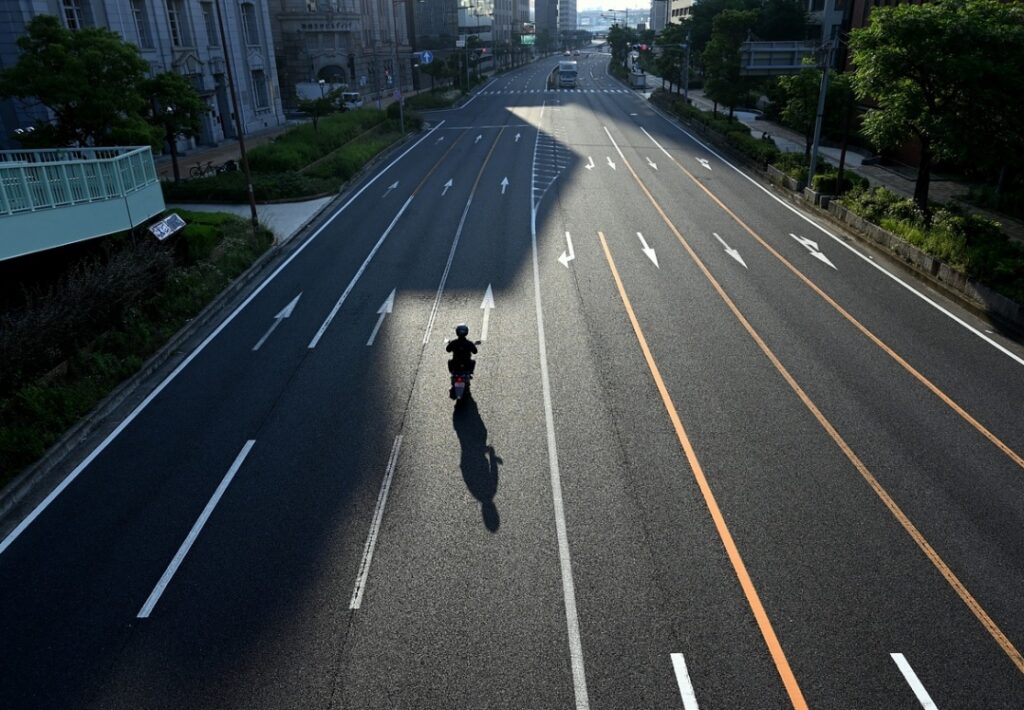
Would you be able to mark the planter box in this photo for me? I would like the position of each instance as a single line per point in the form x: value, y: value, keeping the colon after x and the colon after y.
x: 937, y: 269
x: 780, y: 178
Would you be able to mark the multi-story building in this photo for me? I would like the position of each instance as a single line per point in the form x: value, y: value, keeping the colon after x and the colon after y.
x: 659, y: 14
x: 364, y: 44
x: 182, y: 36
x: 566, y: 16
x: 546, y: 19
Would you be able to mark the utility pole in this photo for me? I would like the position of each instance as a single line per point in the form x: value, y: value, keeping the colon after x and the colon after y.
x: 686, y: 69
x: 827, y: 47
x: 238, y: 119
x: 397, y: 68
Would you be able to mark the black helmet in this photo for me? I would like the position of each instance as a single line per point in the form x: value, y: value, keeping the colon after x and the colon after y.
x: 462, y: 330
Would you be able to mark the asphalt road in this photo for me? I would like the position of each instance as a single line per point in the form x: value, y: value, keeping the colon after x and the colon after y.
x: 717, y: 456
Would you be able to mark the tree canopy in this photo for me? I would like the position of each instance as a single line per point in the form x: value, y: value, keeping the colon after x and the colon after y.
x: 89, y: 79
x: 721, y: 57
x: 947, y: 74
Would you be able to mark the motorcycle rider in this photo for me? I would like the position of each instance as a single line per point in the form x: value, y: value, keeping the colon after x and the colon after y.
x: 462, y: 350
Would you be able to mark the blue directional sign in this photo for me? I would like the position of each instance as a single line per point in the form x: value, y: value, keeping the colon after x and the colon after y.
x: 426, y: 57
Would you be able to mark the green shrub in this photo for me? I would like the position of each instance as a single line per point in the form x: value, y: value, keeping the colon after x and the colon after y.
x: 347, y: 161
x: 826, y: 182
x: 440, y: 98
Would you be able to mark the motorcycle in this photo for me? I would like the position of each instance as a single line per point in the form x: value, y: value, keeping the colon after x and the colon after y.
x: 461, y: 376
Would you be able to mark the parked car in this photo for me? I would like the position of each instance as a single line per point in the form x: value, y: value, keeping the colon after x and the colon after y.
x: 351, y: 100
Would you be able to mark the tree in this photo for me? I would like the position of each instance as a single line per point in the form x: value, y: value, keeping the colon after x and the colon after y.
x: 89, y: 79
x: 319, y: 107
x: 782, y: 20
x: 175, y: 108
x: 722, y: 80
x: 937, y: 73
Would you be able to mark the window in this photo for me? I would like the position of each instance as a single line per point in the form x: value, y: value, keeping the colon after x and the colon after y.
x: 178, y: 21
x: 210, y: 20
x: 141, y: 25
x: 74, y: 14
x: 260, y: 98
x: 249, y: 25
x: 311, y: 6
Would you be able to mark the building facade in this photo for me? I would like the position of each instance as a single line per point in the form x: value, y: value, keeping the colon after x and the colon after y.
x: 365, y: 45
x: 182, y: 36
x: 546, y: 19
x: 566, y: 16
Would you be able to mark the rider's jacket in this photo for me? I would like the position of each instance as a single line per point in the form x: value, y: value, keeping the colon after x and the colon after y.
x: 461, y: 349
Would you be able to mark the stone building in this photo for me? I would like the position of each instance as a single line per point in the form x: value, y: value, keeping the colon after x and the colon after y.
x: 362, y: 44
x: 182, y: 36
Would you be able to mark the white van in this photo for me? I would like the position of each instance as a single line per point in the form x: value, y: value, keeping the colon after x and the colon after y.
x: 351, y: 100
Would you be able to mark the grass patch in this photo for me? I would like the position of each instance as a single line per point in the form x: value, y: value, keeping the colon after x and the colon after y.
x: 438, y: 98
x: 279, y: 169
x: 54, y: 380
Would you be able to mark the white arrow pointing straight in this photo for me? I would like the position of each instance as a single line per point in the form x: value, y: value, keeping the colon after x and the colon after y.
x: 517, y: 137
x: 590, y: 164
x: 446, y: 186
x: 391, y: 187
x: 487, y: 305
x: 568, y: 256
x: 384, y: 310
x: 439, y: 140
x: 610, y: 163
x: 286, y: 312
x: 647, y: 250
x: 730, y: 251
x: 478, y: 137
x: 504, y: 185
x: 651, y: 162
x: 704, y: 162
x: 812, y: 247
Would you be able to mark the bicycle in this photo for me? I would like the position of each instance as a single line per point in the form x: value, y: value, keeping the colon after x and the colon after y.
x: 199, y: 170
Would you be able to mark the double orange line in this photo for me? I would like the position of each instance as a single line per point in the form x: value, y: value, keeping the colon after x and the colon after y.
x: 764, y: 624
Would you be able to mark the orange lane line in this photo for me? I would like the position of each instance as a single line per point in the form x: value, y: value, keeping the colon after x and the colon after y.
x: 438, y: 163
x: 944, y: 569
x: 767, y: 632
x: 1014, y: 456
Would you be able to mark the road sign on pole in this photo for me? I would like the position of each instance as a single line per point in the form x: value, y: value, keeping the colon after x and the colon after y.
x: 426, y: 57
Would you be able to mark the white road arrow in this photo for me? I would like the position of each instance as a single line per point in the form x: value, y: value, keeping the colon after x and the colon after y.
x: 504, y: 185
x: 393, y: 186
x: 286, y: 312
x: 651, y: 162
x: 647, y: 250
x: 439, y: 140
x: 812, y: 247
x: 590, y: 163
x: 704, y: 162
x: 568, y: 256
x: 610, y: 163
x: 446, y: 186
x: 488, y: 306
x: 517, y: 137
x: 478, y: 137
x: 730, y: 251
x: 384, y: 310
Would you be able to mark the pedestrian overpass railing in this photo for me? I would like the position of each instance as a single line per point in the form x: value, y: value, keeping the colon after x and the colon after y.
x: 57, y: 196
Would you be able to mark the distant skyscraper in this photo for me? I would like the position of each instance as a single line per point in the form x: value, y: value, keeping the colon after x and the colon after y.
x: 546, y: 18
x: 566, y: 16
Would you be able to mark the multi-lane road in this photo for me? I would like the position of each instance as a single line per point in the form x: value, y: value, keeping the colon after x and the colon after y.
x: 718, y: 456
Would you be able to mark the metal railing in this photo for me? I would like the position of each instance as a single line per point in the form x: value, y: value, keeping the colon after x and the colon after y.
x: 32, y: 180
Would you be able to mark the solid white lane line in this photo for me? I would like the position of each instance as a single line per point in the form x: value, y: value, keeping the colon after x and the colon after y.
x: 579, y: 676
x: 45, y: 503
x: 355, y: 279
x: 866, y: 259
x: 915, y: 684
x: 154, y: 596
x: 685, y: 686
x: 378, y: 515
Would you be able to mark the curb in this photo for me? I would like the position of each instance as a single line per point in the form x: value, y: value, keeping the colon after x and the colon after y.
x: 50, y: 466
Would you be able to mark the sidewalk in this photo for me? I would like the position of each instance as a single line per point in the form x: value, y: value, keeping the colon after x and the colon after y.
x: 284, y: 219
x: 227, y: 150
x: 898, y: 179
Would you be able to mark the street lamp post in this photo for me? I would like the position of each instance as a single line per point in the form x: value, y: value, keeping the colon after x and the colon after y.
x: 321, y: 82
x: 397, y: 67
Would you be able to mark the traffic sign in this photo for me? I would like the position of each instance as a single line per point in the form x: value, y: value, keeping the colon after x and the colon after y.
x: 426, y: 57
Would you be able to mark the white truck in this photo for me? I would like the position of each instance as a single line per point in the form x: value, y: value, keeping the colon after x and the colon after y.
x: 567, y: 72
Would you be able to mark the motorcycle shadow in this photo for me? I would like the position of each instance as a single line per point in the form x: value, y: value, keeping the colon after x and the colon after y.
x: 479, y: 461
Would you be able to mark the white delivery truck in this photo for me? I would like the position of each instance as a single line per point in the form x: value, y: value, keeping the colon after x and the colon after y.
x: 567, y: 73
